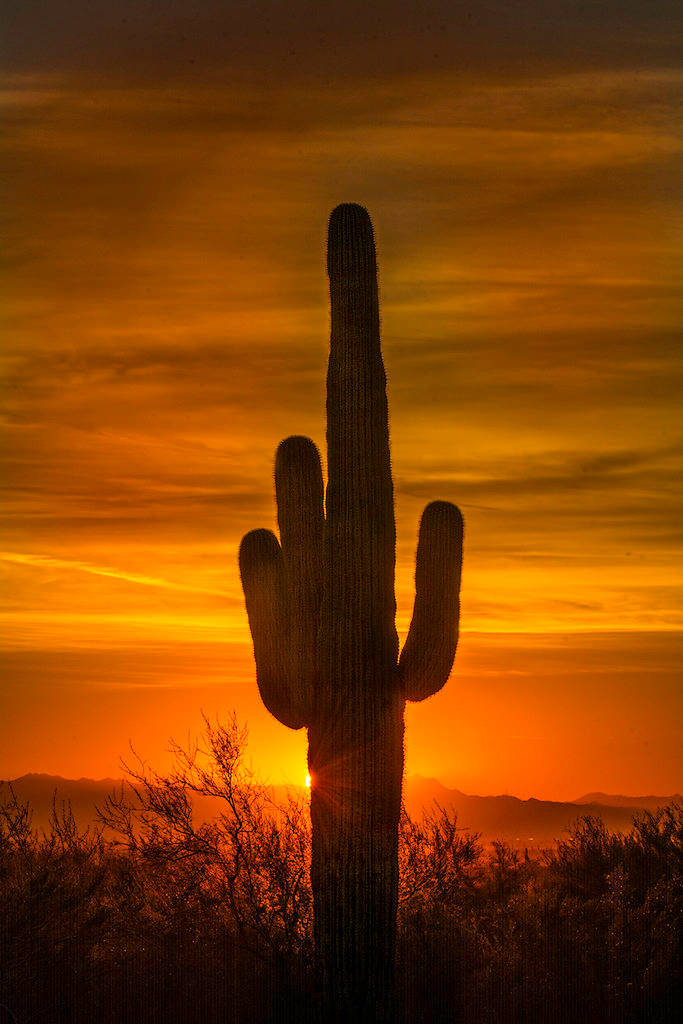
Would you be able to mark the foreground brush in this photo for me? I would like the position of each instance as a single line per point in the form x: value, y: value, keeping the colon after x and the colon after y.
x: 321, y: 609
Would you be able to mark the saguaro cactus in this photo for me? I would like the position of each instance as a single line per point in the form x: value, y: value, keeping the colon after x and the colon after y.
x: 321, y: 608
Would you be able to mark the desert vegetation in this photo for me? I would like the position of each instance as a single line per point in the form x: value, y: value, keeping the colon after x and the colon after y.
x: 160, y: 914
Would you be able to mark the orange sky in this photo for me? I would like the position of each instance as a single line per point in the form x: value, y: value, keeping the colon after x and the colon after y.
x: 165, y: 316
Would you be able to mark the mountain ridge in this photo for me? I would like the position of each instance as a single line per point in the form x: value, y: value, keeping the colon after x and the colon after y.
x: 522, y: 823
x: 619, y: 800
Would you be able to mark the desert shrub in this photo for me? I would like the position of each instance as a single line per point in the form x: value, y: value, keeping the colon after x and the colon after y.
x: 53, y: 895
x: 191, y: 902
x: 591, y: 931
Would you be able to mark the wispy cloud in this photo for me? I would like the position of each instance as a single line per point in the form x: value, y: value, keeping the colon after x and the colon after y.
x: 166, y: 310
x: 70, y: 565
x: 299, y: 38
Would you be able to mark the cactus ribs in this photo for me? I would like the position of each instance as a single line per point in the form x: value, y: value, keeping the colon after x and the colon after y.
x: 322, y: 608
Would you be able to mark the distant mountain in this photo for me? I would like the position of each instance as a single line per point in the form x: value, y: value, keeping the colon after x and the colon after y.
x: 522, y: 823
x: 649, y: 803
x: 47, y: 792
x: 42, y: 791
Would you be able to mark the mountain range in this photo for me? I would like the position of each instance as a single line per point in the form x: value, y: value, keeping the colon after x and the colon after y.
x: 522, y: 823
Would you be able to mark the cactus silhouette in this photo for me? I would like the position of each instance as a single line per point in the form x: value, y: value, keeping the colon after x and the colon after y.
x: 321, y: 608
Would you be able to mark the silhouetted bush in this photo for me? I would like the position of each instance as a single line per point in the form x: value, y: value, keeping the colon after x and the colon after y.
x: 192, y: 903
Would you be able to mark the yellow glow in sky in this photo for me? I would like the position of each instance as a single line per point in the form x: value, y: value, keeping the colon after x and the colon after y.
x: 166, y: 325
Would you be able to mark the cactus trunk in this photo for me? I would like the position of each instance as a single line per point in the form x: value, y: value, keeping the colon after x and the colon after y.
x: 354, y: 870
x: 322, y: 614
x: 356, y: 737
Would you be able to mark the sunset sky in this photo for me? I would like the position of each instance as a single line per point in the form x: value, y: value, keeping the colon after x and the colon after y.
x: 170, y: 169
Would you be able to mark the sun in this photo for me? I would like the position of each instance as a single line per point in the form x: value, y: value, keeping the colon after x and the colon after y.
x: 308, y: 781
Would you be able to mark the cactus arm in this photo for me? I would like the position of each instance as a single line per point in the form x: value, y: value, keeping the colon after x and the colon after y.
x: 262, y: 571
x: 299, y: 494
x: 360, y: 528
x: 429, y: 650
x: 322, y: 615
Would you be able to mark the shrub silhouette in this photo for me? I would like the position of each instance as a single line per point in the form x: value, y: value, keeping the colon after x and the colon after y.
x: 183, y: 916
x: 321, y: 609
x: 216, y: 836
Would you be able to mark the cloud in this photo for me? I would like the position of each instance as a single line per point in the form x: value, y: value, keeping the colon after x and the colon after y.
x: 282, y: 39
x: 166, y: 313
x: 70, y: 565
